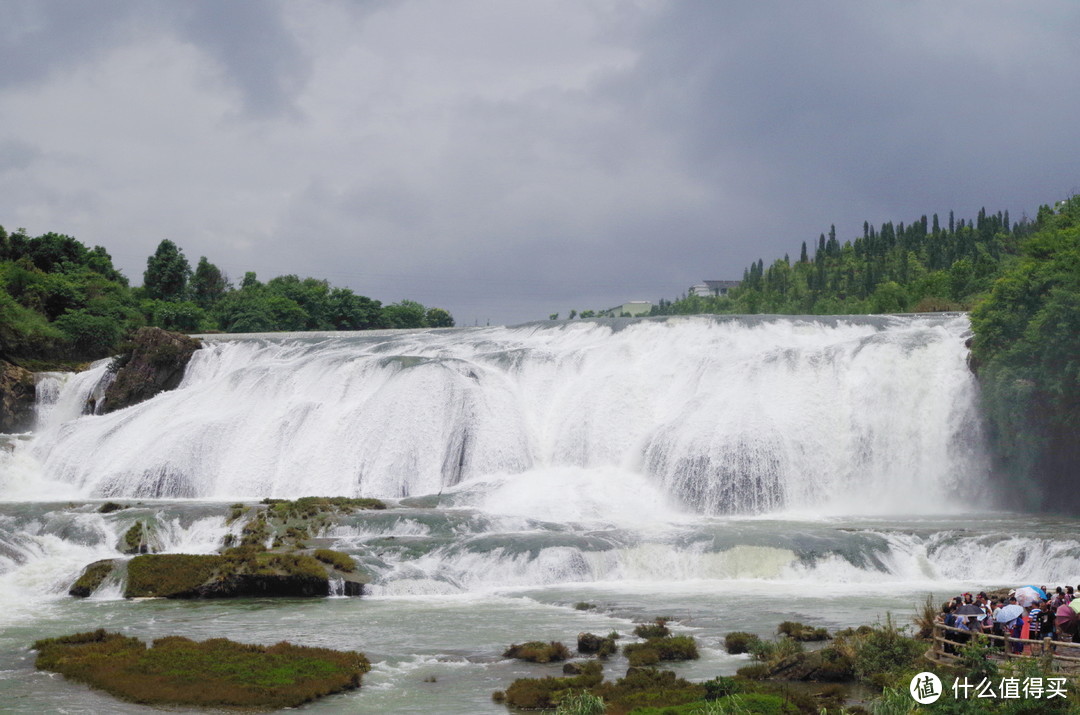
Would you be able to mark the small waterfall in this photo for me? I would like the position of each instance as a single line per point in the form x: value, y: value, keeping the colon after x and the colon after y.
x: 742, y: 414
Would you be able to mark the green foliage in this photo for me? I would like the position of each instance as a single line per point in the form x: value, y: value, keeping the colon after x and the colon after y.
x: 60, y: 301
x: 208, y: 284
x: 771, y: 652
x: 1027, y: 346
x: 538, y: 652
x: 884, y: 651
x: 214, y: 673
x: 739, y: 642
x: 405, y: 314
x: 896, y: 268
x: 580, y: 703
x: 89, y: 335
x: 648, y: 687
x: 167, y: 273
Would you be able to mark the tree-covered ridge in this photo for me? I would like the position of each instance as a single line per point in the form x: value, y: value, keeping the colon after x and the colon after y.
x: 919, y: 267
x: 1027, y: 344
x: 60, y: 300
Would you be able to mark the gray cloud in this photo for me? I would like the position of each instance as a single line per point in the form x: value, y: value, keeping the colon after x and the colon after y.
x: 511, y: 159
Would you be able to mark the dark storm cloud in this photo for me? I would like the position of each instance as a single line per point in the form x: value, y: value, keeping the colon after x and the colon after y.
x: 38, y: 38
x: 887, y: 108
x: 255, y: 53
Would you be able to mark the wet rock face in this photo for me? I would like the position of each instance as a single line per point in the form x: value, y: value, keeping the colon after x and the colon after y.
x: 156, y: 363
x: 16, y: 398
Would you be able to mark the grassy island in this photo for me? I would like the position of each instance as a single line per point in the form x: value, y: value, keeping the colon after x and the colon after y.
x: 212, y: 673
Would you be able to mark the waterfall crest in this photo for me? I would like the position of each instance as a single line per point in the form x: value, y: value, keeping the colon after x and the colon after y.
x: 716, y: 414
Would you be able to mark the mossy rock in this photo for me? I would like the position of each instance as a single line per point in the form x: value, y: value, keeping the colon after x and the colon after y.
x: 136, y: 540
x: 590, y: 643
x: 802, y: 632
x: 216, y: 673
x: 92, y: 577
x: 340, y: 561
x: 110, y: 506
x: 237, y: 573
x: 538, y: 652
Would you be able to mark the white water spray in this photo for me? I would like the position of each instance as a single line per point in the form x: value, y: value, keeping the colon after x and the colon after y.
x: 717, y: 415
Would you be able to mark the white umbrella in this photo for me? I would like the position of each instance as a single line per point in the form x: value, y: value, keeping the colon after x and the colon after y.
x: 1008, y: 613
x: 1027, y: 595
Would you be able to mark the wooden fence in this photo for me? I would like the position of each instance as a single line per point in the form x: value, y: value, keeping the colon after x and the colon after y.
x: 947, y: 642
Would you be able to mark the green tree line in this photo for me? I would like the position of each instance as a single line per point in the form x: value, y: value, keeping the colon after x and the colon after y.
x: 60, y: 300
x: 926, y: 265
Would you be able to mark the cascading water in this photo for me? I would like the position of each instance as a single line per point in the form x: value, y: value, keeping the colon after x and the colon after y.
x: 723, y: 415
x: 825, y: 470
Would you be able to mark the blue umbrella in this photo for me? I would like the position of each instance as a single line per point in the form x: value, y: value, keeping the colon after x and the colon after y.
x: 1036, y: 589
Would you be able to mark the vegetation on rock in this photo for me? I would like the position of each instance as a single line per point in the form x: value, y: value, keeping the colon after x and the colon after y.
x: 91, y: 578
x: 538, y: 652
x: 589, y: 644
x: 212, y: 673
x: 238, y: 572
x: 337, y: 559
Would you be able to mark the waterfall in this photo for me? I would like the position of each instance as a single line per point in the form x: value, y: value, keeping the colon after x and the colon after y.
x: 739, y: 414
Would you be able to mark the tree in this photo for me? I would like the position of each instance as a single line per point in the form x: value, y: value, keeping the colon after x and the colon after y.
x: 406, y: 314
x: 167, y: 273
x: 439, y: 318
x: 208, y: 285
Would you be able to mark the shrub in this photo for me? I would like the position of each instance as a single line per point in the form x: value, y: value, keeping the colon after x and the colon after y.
x: 215, y: 673
x: 884, y: 650
x: 546, y: 692
x: 538, y: 652
x: 656, y: 629
x: 109, y: 507
x: 739, y: 642
x: 580, y: 703
x: 772, y: 652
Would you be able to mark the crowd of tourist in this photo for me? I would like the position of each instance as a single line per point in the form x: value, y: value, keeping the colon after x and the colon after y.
x: 1025, y: 613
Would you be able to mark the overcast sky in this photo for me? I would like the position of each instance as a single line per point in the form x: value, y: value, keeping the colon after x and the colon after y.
x: 507, y: 159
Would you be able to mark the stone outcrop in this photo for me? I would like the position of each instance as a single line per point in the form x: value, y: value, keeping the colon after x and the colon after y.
x: 155, y: 363
x: 16, y: 398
